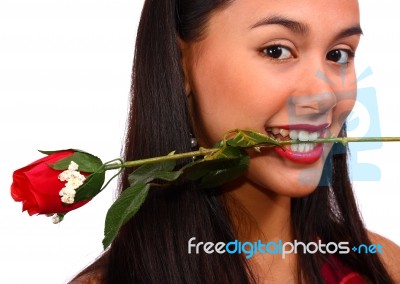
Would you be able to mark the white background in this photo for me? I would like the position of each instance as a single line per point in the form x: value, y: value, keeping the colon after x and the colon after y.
x: 64, y: 82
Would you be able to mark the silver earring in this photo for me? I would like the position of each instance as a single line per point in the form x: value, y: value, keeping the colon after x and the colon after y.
x: 193, y: 142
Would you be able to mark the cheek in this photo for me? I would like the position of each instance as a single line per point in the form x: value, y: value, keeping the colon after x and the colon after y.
x: 217, y: 101
x: 219, y: 89
x: 344, y: 106
x: 233, y: 94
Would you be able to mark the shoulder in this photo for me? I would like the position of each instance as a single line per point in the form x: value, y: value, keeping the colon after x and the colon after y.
x: 390, y: 254
x: 92, y: 277
x: 94, y: 273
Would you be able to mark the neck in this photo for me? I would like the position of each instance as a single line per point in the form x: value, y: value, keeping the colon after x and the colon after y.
x: 259, y: 214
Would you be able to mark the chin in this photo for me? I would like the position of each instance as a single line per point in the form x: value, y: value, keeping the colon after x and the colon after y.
x: 309, y: 178
x: 287, y: 179
x: 301, y: 190
x: 305, y: 184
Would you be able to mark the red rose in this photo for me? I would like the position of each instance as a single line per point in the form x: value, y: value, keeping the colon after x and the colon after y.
x: 37, y: 186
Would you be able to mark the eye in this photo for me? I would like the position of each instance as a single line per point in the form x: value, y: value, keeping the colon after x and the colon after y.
x: 341, y: 56
x: 277, y: 52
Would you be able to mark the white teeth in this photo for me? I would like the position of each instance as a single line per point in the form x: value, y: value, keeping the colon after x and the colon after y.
x: 313, y: 135
x: 275, y: 131
x: 294, y: 134
x: 304, y: 135
x: 302, y: 147
x: 284, y: 132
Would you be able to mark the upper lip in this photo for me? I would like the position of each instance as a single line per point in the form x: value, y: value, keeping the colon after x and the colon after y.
x: 307, y: 127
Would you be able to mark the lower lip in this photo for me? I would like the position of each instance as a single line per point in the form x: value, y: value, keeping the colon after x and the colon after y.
x: 301, y: 157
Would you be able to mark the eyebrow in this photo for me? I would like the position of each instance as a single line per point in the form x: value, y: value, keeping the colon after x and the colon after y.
x: 355, y: 30
x: 292, y: 25
x: 301, y: 28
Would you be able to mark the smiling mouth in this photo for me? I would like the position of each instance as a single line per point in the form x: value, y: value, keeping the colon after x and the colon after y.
x: 288, y: 133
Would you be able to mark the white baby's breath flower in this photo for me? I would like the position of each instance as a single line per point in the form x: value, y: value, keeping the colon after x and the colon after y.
x: 73, y: 166
x: 67, y: 195
x: 74, y: 180
x: 56, y: 219
x: 77, y: 175
x: 67, y: 199
x: 64, y: 175
x: 68, y: 190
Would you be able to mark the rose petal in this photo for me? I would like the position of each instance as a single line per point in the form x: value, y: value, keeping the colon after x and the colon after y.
x: 37, y: 186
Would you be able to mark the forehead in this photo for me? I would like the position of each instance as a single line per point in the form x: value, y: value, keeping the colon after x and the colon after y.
x: 243, y: 14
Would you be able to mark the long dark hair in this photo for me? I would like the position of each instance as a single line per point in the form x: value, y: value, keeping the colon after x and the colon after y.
x: 152, y: 246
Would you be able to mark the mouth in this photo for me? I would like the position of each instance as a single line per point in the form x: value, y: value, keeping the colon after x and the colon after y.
x: 302, y: 152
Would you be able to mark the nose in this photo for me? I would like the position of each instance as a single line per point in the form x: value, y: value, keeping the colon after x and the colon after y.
x: 314, y: 97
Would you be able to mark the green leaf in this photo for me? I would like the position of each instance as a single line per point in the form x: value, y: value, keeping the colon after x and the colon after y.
x: 86, y: 162
x: 231, y: 171
x: 217, y: 160
x: 197, y: 169
x: 247, y: 138
x: 124, y: 208
x: 168, y: 176
x: 148, y: 172
x: 46, y: 152
x: 224, y: 165
x: 52, y: 152
x: 91, y: 187
x: 219, y: 144
x: 226, y: 152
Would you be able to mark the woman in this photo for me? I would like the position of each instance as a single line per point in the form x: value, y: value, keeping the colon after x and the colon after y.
x: 284, y: 68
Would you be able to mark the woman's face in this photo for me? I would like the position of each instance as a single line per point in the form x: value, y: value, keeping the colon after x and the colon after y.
x: 284, y: 68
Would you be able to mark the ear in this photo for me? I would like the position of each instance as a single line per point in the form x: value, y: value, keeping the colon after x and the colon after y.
x: 184, y: 48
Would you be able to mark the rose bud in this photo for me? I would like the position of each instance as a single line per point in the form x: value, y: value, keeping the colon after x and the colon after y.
x: 38, y: 186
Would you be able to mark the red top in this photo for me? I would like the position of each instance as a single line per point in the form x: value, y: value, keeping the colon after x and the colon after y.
x: 335, y: 272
